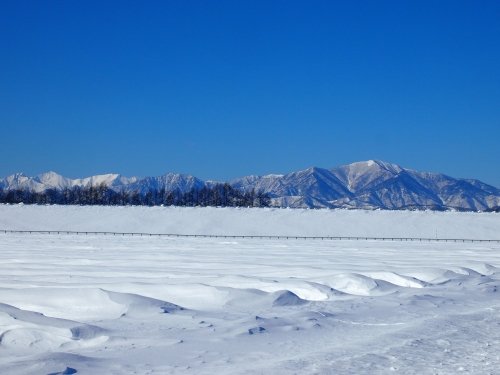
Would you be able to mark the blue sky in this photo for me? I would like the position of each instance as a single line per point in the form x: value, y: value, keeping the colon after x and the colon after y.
x: 230, y: 88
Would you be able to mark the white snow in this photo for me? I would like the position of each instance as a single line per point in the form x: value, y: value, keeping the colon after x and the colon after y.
x: 53, y: 180
x: 255, y: 221
x: 125, y: 304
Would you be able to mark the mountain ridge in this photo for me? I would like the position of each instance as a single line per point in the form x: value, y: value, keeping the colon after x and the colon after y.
x: 371, y: 184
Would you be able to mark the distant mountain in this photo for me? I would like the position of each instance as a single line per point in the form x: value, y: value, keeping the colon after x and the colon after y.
x: 373, y: 184
x: 52, y: 180
x: 169, y: 182
x: 369, y: 184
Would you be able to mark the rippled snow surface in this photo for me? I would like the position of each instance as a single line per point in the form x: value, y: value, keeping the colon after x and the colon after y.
x: 120, y: 304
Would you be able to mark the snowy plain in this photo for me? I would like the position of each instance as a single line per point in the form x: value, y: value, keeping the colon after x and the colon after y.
x: 125, y: 304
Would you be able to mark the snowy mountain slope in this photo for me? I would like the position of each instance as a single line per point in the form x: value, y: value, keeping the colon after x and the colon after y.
x: 315, y: 183
x: 369, y: 184
x: 169, y: 182
x: 399, y: 191
x: 111, y: 180
x: 362, y: 175
x: 22, y: 182
x: 52, y: 180
x: 471, y: 194
x: 373, y: 184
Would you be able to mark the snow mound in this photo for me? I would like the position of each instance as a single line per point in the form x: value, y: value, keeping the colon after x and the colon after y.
x: 84, y: 304
x: 486, y: 269
x: 396, y: 279
x: 81, y: 304
x: 28, y: 331
x: 140, y: 305
x: 360, y: 285
x: 287, y: 298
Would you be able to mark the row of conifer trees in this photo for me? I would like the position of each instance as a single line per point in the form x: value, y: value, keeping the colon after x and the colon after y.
x: 221, y: 195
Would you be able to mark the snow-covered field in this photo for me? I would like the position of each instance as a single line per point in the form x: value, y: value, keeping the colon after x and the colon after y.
x: 121, y: 304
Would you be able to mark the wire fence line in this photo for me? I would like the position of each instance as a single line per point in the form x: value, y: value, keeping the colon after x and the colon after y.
x: 232, y: 236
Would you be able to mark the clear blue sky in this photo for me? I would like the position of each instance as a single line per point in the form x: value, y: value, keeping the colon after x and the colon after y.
x: 221, y: 89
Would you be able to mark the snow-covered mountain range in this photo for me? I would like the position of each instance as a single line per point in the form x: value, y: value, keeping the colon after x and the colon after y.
x: 369, y: 184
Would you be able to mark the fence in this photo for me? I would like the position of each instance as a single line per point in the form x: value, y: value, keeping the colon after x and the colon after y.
x: 229, y: 236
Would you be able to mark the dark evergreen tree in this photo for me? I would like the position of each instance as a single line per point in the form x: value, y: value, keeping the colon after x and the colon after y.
x: 222, y: 195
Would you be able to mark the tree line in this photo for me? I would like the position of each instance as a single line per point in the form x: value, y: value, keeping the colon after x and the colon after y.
x: 219, y: 195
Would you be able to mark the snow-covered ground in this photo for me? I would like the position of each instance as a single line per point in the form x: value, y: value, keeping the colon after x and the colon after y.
x: 257, y: 221
x: 121, y: 304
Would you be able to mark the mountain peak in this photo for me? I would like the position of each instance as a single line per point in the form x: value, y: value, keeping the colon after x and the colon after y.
x: 363, y: 174
x: 311, y: 170
x: 53, y: 180
x: 17, y: 175
x: 377, y: 164
x: 49, y: 173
